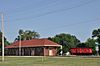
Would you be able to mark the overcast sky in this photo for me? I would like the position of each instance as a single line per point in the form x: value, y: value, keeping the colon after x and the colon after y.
x: 51, y: 17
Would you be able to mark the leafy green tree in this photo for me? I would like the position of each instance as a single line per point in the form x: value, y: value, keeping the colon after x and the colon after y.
x: 81, y: 45
x: 91, y: 43
x: 96, y: 33
x: 27, y: 35
x: 66, y: 40
x: 5, y: 41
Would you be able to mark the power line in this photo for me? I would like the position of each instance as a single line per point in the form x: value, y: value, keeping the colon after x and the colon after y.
x: 51, y: 3
x: 52, y: 12
x: 25, y: 6
x: 73, y: 24
x: 48, y: 4
x: 69, y: 25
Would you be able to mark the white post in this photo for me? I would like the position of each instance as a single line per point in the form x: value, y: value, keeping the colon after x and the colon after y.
x: 2, y: 36
x: 97, y: 48
x: 61, y: 50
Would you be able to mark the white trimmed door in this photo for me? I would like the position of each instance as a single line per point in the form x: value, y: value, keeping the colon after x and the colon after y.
x: 50, y: 52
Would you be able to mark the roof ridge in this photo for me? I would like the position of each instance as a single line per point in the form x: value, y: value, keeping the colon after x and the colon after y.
x: 34, y: 43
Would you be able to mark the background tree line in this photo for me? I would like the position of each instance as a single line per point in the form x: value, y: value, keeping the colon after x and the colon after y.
x: 70, y: 41
x: 66, y: 40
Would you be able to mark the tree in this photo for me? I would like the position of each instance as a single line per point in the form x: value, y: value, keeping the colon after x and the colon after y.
x: 66, y: 40
x: 91, y: 43
x: 5, y: 41
x: 96, y: 33
x: 27, y: 35
x: 81, y: 45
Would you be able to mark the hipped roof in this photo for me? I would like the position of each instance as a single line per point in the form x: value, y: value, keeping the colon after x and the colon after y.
x: 33, y: 43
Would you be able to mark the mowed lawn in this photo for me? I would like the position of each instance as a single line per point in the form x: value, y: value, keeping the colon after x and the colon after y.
x: 50, y: 61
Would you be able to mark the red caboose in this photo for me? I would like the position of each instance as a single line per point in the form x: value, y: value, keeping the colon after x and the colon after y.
x: 81, y: 51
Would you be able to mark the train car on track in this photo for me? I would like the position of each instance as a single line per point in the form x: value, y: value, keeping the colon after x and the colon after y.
x: 81, y: 51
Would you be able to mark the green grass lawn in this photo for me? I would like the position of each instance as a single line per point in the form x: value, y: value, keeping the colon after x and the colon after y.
x: 50, y: 61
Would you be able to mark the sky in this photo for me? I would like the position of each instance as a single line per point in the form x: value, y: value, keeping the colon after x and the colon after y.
x: 51, y: 17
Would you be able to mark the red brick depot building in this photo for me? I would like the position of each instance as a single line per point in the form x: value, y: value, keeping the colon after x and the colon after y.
x: 34, y: 47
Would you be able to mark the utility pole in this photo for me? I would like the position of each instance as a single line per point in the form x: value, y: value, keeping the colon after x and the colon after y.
x: 19, y: 45
x: 2, y: 18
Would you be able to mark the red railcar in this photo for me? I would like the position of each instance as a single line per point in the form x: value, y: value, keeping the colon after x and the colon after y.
x: 81, y: 51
